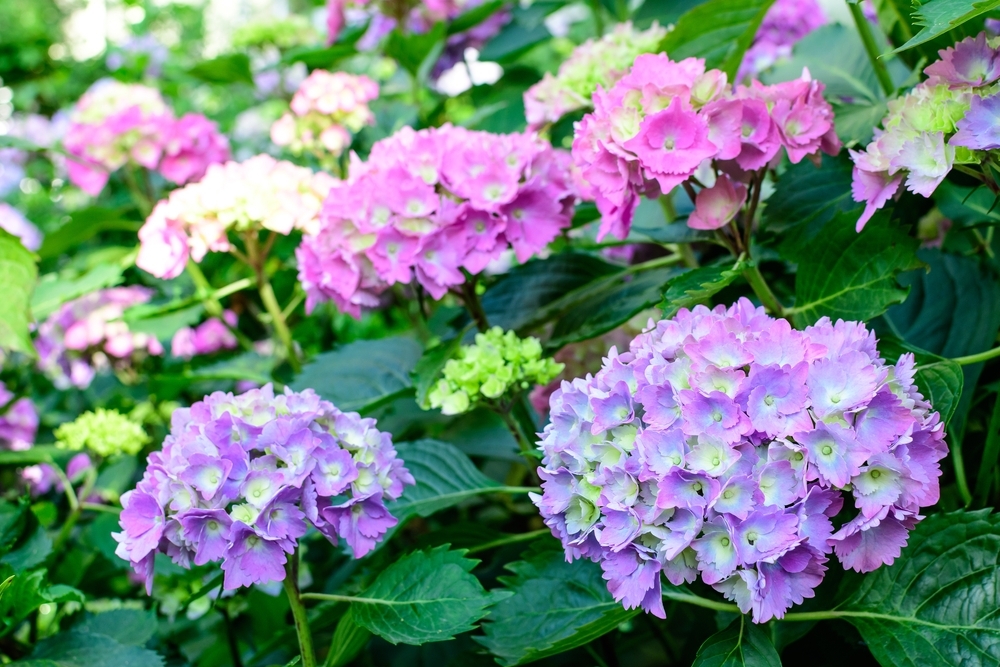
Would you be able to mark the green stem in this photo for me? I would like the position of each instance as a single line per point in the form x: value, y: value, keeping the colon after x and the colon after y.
x: 97, y: 507
x: 960, y: 479
x: 278, y: 320
x: 977, y: 358
x: 299, y: 611
x: 763, y: 291
x: 991, y: 451
x: 698, y: 601
x: 210, y: 297
x: 472, y: 303
x: 868, y: 39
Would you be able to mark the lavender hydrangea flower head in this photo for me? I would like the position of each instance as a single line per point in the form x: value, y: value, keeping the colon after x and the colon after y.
x: 721, y: 445
x: 14, y: 222
x: 18, y: 421
x: 240, y: 479
x: 88, y: 334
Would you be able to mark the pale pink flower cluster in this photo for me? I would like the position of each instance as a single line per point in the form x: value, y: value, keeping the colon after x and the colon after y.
x: 665, y: 120
x: 88, y: 334
x: 210, y: 336
x: 327, y: 108
x: 259, y: 193
x: 116, y: 123
x: 434, y: 203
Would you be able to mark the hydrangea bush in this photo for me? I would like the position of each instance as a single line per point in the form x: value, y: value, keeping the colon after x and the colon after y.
x: 616, y: 333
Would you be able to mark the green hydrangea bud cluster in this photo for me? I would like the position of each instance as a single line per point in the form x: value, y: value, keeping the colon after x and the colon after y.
x: 283, y: 33
x: 594, y: 63
x: 497, y: 363
x: 103, y: 432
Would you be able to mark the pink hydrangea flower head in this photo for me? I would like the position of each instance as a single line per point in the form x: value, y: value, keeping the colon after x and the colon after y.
x: 664, y: 120
x: 209, y: 337
x: 428, y: 204
x: 111, y: 124
x: 190, y: 145
x: 326, y: 109
x: 721, y: 444
x: 88, y: 334
x: 240, y: 478
x: 259, y: 193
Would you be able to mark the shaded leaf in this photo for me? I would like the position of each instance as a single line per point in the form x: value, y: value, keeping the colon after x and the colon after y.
x: 742, y: 644
x: 126, y: 626
x: 17, y: 275
x: 82, y: 226
x: 555, y: 606
x: 427, y: 596
x: 414, y: 50
x: 698, y: 285
x: 444, y: 477
x: 966, y: 206
x: 52, y: 290
x: 937, y: 603
x: 79, y: 648
x: 362, y: 374
x: 348, y: 640
x: 720, y: 31
x: 850, y: 275
x: 806, y: 197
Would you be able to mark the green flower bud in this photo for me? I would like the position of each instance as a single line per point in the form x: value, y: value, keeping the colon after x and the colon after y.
x: 104, y: 432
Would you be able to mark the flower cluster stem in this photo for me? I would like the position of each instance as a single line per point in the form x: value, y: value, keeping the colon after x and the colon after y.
x: 977, y: 358
x: 763, y: 290
x: 299, y: 611
x: 868, y: 39
x: 278, y: 320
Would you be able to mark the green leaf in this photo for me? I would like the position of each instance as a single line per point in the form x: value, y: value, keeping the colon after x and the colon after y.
x: 246, y: 366
x: 698, y: 285
x: 849, y: 275
x: 525, y: 30
x: 325, y: 58
x: 966, y: 206
x: 937, y: 17
x: 17, y: 275
x: 79, y: 648
x: 52, y: 290
x: 444, y: 475
x: 605, y: 304
x: 937, y: 603
x: 742, y: 644
x: 475, y: 16
x: 720, y: 31
x: 24, y: 595
x: 165, y: 325
x: 82, y: 226
x: 805, y: 198
x: 126, y: 626
x: 5, y: 584
x: 416, y: 52
x: 233, y: 68
x: 427, y: 596
x: 348, y: 640
x: 363, y: 374
x: 556, y: 606
x: 663, y: 13
x: 520, y: 299
x: 431, y: 364
x: 939, y: 380
x: 37, y: 454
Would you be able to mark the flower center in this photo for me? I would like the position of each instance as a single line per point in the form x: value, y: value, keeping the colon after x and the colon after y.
x: 751, y: 537
x: 669, y: 143
x: 875, y: 474
x: 724, y: 541
x: 717, y: 416
x: 827, y: 450
x: 769, y: 400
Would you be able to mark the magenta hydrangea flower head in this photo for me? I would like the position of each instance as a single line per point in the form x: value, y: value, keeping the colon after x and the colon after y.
x: 209, y: 337
x: 721, y: 445
x: 326, y: 109
x: 784, y: 25
x: 115, y: 123
x: 14, y: 222
x: 88, y: 334
x: 971, y: 63
x: 240, y: 479
x: 665, y: 120
x: 259, y: 193
x: 18, y: 421
x: 429, y: 204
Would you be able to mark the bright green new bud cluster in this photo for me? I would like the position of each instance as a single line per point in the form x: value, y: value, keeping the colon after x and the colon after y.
x: 496, y: 364
x: 283, y: 33
x: 104, y: 432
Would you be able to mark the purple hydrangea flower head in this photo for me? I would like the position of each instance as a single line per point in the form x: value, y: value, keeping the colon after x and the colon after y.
x: 210, y: 336
x: 784, y: 24
x: 88, y: 334
x: 722, y: 443
x: 980, y: 129
x: 430, y: 203
x: 664, y: 120
x: 18, y: 421
x: 14, y: 222
x: 972, y: 62
x: 241, y: 477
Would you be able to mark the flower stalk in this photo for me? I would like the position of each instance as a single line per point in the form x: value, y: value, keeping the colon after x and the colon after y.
x: 299, y: 611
